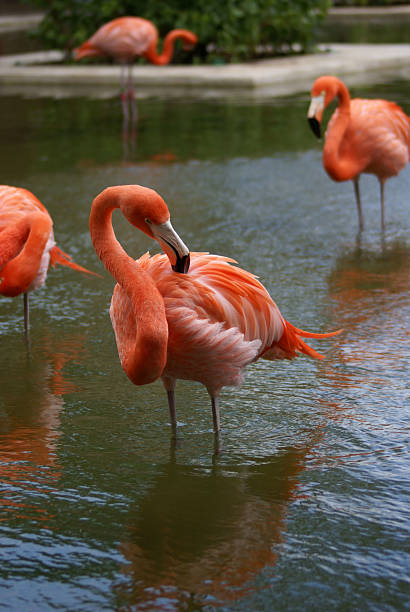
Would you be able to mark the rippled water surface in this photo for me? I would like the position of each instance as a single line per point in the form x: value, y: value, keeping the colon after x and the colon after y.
x: 305, y: 502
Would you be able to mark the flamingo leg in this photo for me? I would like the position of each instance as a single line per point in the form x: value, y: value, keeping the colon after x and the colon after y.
x: 169, y: 384
x: 382, y: 204
x: 26, y: 313
x: 358, y: 202
x: 123, y: 94
x: 218, y: 448
x: 124, y: 108
x: 172, y: 408
x: 215, y: 413
x: 131, y: 96
x: 123, y: 78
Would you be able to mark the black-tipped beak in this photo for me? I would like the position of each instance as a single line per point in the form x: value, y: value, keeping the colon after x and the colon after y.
x: 182, y: 264
x: 314, y: 126
x: 172, y: 245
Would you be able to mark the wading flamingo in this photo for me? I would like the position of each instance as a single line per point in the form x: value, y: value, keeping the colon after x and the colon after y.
x: 27, y: 246
x: 126, y: 38
x: 204, y: 326
x: 370, y: 136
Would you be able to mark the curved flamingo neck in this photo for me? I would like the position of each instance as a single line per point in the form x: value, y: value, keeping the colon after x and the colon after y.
x: 344, y: 97
x: 18, y: 274
x: 167, y: 49
x: 340, y: 163
x: 144, y: 357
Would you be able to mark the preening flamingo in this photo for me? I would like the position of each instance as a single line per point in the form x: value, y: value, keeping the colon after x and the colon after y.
x: 370, y: 136
x: 27, y: 246
x: 126, y: 38
x: 204, y: 326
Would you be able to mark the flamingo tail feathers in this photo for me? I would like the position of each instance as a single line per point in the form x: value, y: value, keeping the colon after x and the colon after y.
x: 58, y: 257
x: 291, y: 343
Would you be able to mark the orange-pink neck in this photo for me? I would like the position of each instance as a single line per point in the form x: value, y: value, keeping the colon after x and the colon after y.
x: 168, y: 47
x: 144, y: 359
x: 19, y: 273
x: 340, y: 167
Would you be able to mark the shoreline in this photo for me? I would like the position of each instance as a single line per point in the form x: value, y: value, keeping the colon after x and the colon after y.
x: 39, y: 74
x: 355, y: 64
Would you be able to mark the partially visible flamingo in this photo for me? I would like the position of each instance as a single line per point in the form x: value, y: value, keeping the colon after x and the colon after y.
x: 126, y: 38
x: 363, y: 136
x: 27, y: 246
x: 204, y: 326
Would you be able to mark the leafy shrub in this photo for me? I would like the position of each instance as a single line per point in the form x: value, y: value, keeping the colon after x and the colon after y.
x: 228, y: 30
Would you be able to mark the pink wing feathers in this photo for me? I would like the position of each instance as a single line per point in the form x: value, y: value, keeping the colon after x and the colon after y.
x: 12, y: 240
x: 220, y: 319
x: 123, y: 38
x: 15, y: 202
x: 378, y: 133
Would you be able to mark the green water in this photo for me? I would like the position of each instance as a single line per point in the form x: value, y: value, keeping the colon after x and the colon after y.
x: 380, y: 29
x: 304, y: 505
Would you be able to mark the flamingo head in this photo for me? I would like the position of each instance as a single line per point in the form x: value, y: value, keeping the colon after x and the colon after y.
x: 324, y: 90
x: 86, y: 50
x: 189, y: 40
x: 147, y: 211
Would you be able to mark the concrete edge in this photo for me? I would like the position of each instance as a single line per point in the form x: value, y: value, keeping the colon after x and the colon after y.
x: 278, y: 76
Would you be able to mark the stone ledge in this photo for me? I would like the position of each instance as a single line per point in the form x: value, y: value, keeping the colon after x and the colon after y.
x: 278, y: 76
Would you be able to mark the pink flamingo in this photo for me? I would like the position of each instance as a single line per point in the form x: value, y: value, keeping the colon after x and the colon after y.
x: 126, y: 38
x: 27, y: 246
x: 204, y: 326
x: 370, y: 136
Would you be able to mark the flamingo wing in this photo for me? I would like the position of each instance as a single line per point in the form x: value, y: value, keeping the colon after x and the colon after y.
x: 12, y: 240
x: 378, y: 134
x: 16, y: 201
x: 123, y: 38
x: 220, y: 318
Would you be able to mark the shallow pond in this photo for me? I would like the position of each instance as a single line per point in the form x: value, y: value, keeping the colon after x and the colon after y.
x: 304, y: 504
x: 384, y: 28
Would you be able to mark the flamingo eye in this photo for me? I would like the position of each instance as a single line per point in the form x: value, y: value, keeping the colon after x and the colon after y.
x: 148, y: 221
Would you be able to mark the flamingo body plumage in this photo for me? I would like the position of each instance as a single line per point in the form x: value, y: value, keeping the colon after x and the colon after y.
x: 126, y: 38
x: 27, y: 241
x: 206, y: 312
x: 205, y: 325
x: 363, y: 136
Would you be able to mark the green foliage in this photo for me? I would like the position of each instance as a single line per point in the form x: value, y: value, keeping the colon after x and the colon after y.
x: 228, y: 30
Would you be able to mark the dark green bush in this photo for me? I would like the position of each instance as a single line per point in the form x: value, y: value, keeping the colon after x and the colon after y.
x: 228, y: 30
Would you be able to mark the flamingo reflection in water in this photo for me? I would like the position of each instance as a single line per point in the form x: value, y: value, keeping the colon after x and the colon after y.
x: 365, y: 284
x: 31, y: 425
x: 365, y: 381
x: 201, y: 535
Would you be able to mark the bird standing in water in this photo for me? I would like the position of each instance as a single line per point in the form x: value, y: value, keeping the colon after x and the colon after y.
x: 126, y: 38
x: 27, y: 246
x: 363, y: 136
x: 205, y: 325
